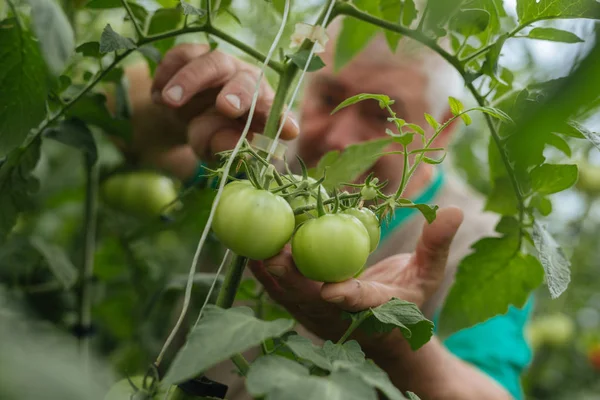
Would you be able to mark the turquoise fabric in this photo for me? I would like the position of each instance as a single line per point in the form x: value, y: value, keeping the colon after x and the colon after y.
x: 497, y: 346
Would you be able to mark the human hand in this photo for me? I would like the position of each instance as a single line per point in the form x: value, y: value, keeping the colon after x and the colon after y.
x: 411, y: 277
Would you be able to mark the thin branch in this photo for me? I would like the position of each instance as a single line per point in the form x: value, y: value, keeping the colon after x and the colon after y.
x: 138, y: 29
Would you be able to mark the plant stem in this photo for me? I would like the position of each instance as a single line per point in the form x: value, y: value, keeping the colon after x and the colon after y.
x: 87, y: 261
x: 355, y: 324
x: 283, y: 87
x: 241, y: 364
x: 232, y: 281
x: 138, y: 30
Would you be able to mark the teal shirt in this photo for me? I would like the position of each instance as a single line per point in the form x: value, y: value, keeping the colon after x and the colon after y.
x: 496, y: 346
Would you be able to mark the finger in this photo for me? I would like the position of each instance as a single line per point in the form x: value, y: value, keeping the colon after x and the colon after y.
x: 207, y: 71
x: 295, y: 287
x: 172, y: 62
x: 211, y: 133
x: 356, y: 294
x: 433, y: 247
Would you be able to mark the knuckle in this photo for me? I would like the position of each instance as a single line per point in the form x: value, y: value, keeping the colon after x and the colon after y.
x: 219, y: 65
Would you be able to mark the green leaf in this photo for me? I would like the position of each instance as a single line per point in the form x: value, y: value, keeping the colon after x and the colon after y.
x: 396, y: 313
x: 54, y: 34
x: 17, y: 184
x: 111, y: 41
x: 404, y: 139
x: 531, y: 10
x: 104, y: 4
x: 470, y: 22
x: 543, y: 204
x: 301, y: 57
x: 89, y: 49
x: 188, y: 9
x: 381, y: 98
x: 491, y: 278
x: 433, y: 161
x: 496, y: 113
x: 277, y: 378
x: 412, y: 396
x: 75, y: 133
x: 58, y: 262
x: 554, y: 35
x: 409, y: 12
x: 501, y: 199
x: 328, y: 356
x: 553, y: 178
x: 429, y: 212
x: 455, y: 105
x: 593, y: 137
x: 555, y: 263
x: 391, y: 10
x: 466, y: 118
x: 490, y: 66
x: 151, y: 53
x: 23, y: 80
x: 351, y: 163
x: 374, y: 376
x: 92, y: 110
x: 219, y: 335
x: 355, y: 34
x: 164, y: 20
x: 432, y: 122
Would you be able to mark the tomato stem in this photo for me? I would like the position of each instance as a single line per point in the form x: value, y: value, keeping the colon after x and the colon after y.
x: 353, y: 326
x: 233, y: 277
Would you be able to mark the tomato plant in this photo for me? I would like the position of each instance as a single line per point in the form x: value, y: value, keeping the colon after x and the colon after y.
x: 245, y: 209
x: 331, y: 248
x: 370, y: 221
x: 306, y: 199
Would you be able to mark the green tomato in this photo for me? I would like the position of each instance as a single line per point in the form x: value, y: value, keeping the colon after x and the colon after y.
x: 251, y: 222
x: 589, y: 178
x: 302, y: 201
x: 142, y: 194
x: 123, y: 390
x: 368, y: 193
x: 331, y: 248
x: 370, y: 221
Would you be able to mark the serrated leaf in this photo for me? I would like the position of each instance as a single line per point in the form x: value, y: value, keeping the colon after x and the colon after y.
x: 355, y: 34
x: 396, y: 313
x: 381, y: 98
x: 188, y: 9
x: 277, y: 378
x: 351, y: 163
x: 89, y: 49
x: 17, y: 184
x: 554, y: 35
x: 303, y: 347
x: 23, y: 80
x: 532, y: 10
x: 553, y: 178
x: 495, y: 275
x: 111, y: 41
x: 470, y: 22
x: 54, y: 33
x: 219, y: 335
x: 75, y: 133
x: 593, y: 137
x: 374, y: 376
x: 328, y: 357
x: 58, y: 262
x: 496, y: 113
x: 301, y: 57
x: 391, y: 10
x: 92, y: 110
x: 555, y: 263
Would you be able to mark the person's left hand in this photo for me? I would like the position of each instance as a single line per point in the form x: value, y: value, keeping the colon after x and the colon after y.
x: 411, y: 277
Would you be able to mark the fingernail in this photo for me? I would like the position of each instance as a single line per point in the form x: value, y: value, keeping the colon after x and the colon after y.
x: 336, y: 300
x: 276, y: 270
x: 156, y: 97
x: 234, y: 101
x: 175, y: 93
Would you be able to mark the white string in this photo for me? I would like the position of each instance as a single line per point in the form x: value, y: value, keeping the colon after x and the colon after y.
x: 188, y: 289
x: 297, y: 88
x: 212, y: 287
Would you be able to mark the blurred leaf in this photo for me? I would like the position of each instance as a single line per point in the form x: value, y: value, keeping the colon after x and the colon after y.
x: 496, y: 113
x: 553, y: 178
x: 543, y: 204
x: 412, y: 396
x: 58, y: 262
x: 533, y: 10
x: 554, y: 35
x: 501, y: 198
x: 432, y: 122
x: 490, y: 279
x: 24, y: 86
x: 278, y: 378
x: 17, y: 184
x: 381, y: 98
x: 189, y: 9
x: 219, y: 335
x: 103, y: 4
x: 301, y: 57
x: 330, y: 356
x: 89, y: 49
x: 75, y: 133
x: 92, y: 110
x: 111, y: 41
x: 391, y: 10
x: 396, y: 313
x: 355, y: 34
x: 54, y: 33
x: 455, y: 105
x: 164, y: 20
x: 593, y: 137
x: 470, y: 22
x: 555, y: 263
x: 348, y: 165
x: 490, y: 66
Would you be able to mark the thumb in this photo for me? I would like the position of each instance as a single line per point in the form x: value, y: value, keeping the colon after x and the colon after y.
x: 433, y: 247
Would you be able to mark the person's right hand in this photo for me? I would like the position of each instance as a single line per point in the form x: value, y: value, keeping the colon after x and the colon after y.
x: 211, y: 92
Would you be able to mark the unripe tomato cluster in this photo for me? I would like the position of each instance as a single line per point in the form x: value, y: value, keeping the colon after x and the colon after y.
x: 257, y: 224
